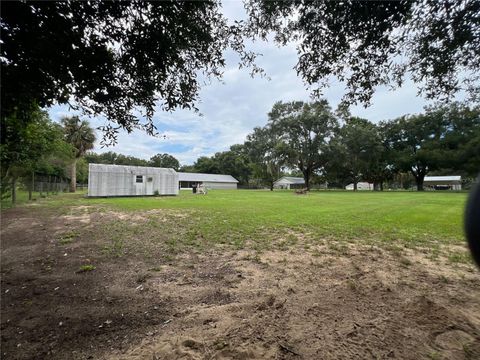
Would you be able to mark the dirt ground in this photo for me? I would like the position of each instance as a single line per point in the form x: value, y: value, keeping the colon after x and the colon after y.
x: 362, y: 302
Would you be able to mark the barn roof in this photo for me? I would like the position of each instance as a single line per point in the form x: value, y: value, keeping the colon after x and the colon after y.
x: 443, y: 178
x: 290, y: 180
x: 137, y: 170
x: 182, y: 176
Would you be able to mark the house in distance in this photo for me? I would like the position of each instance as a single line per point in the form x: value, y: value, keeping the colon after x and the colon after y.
x: 360, y: 186
x: 453, y: 182
x: 289, y: 182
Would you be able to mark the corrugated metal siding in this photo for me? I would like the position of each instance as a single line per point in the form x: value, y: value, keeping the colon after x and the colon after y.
x: 200, y: 177
x: 453, y: 178
x: 220, y: 185
x: 119, y: 180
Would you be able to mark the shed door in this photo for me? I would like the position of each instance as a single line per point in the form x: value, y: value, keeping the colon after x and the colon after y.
x: 139, y: 181
x: 149, y: 185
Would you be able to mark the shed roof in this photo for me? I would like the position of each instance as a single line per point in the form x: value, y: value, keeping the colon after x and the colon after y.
x: 182, y: 176
x: 443, y: 178
x: 137, y: 170
x: 290, y: 180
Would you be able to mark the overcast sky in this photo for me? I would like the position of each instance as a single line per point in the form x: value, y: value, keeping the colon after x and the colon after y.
x: 233, y: 108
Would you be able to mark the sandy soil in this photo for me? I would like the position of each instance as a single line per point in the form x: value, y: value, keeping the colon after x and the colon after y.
x: 361, y: 303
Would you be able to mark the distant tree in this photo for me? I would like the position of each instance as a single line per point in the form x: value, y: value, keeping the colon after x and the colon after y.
x: 130, y: 160
x: 114, y: 158
x: 81, y: 136
x: 444, y: 137
x: 379, y: 166
x: 266, y: 157
x: 366, y: 44
x: 354, y: 147
x: 234, y: 162
x: 415, y: 141
x: 460, y: 138
x: 165, y: 161
x: 108, y: 157
x: 207, y: 165
x: 187, y: 168
x: 25, y: 148
x: 304, y: 131
x: 82, y: 171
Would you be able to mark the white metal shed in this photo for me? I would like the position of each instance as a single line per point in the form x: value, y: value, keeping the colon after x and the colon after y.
x: 123, y: 180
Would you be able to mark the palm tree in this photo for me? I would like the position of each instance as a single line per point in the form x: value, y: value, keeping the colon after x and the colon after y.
x: 81, y: 136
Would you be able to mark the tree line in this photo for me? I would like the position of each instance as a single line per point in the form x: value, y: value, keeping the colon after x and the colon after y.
x: 41, y: 147
x: 320, y: 144
x: 113, y: 158
x: 307, y: 139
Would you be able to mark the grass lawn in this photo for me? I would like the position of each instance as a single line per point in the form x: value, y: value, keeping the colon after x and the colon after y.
x: 262, y: 219
x: 22, y: 198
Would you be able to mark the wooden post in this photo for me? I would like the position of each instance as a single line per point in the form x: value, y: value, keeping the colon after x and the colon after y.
x: 14, y: 190
x: 32, y: 185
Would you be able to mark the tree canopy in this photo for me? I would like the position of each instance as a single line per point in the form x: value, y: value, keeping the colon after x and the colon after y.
x: 266, y: 154
x: 304, y: 131
x: 371, y: 43
x: 119, y: 59
x: 28, y: 148
x: 445, y: 137
x: 81, y: 136
x: 165, y: 161
x: 233, y: 162
x: 125, y: 59
x: 111, y: 157
x: 354, y: 148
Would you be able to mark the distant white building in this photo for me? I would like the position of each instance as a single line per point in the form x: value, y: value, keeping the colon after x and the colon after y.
x: 210, y: 181
x: 360, y: 186
x: 124, y: 180
x: 443, y: 182
x: 289, y: 182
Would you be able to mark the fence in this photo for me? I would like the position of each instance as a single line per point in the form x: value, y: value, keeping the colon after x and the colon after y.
x: 33, y: 186
x: 47, y: 184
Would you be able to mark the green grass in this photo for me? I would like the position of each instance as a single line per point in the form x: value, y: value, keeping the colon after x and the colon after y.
x: 458, y: 257
x: 67, y: 238
x: 389, y: 216
x: 22, y: 198
x: 253, y: 219
x: 86, y: 268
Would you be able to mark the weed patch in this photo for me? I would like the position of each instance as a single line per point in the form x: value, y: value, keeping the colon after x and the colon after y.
x: 86, y: 268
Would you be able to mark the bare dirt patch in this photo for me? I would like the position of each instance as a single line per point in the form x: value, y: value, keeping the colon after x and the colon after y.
x: 334, y: 301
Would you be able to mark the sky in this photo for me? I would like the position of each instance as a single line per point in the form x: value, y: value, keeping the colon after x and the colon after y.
x: 231, y: 108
